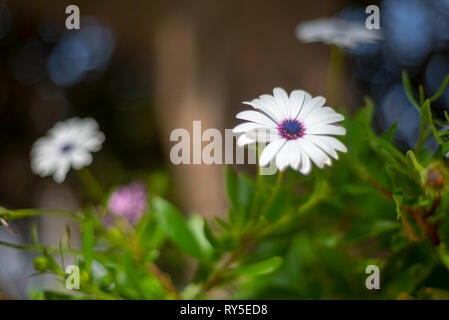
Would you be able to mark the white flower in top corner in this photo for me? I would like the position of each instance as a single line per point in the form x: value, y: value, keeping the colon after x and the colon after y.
x: 342, y: 33
x: 68, y: 144
x: 297, y: 128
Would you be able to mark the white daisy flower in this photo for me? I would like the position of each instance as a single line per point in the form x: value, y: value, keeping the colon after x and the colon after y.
x: 343, y: 33
x: 68, y: 144
x: 297, y: 129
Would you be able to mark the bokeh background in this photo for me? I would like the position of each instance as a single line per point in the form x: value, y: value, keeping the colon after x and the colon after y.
x: 143, y: 68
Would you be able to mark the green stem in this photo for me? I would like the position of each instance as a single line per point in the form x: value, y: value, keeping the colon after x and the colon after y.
x: 334, y: 77
x: 422, y: 98
x: 422, y: 137
x: 92, y: 186
x: 216, y: 277
x: 27, y: 213
x: 275, y: 192
x: 259, y: 181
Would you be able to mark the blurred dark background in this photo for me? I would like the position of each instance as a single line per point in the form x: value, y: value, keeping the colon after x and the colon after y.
x: 143, y: 68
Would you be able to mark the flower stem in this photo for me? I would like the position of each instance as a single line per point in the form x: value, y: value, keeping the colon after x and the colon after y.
x: 334, y: 76
x: 92, y: 186
x: 259, y: 182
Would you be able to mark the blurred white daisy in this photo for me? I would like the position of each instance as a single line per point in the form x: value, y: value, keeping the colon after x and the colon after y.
x: 297, y: 128
x: 68, y: 144
x: 342, y: 33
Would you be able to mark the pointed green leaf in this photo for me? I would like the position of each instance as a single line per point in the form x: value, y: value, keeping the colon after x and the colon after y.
x: 176, y: 228
x: 389, y: 134
x: 388, y: 151
x: 408, y: 90
x: 403, y: 182
x: 441, y: 90
x: 260, y: 268
x: 426, y: 118
x: 398, y: 201
x: 413, y: 162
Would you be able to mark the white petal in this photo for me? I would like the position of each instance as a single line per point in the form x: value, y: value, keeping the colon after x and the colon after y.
x: 269, y: 100
x: 306, y: 166
x: 323, y: 118
x: 311, y: 105
x: 81, y: 159
x: 270, y: 151
x: 263, y: 135
x: 283, y: 158
x: 282, y: 101
x: 326, y: 129
x: 294, y: 154
x: 61, y: 172
x: 315, y: 154
x: 270, y: 110
x: 316, y: 140
x: 243, y: 140
x: 297, y: 100
x: 334, y: 143
x: 247, y: 126
x: 257, y: 117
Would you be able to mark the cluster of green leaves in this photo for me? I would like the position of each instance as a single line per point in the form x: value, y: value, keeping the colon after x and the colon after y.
x: 285, y: 236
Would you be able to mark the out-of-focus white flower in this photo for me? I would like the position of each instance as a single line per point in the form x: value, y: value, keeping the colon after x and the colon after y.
x: 68, y: 144
x: 297, y: 128
x: 343, y: 33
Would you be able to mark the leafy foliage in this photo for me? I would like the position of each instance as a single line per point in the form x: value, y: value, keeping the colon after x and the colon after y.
x: 285, y: 236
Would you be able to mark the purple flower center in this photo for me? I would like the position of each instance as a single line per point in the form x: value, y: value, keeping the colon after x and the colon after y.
x: 291, y: 129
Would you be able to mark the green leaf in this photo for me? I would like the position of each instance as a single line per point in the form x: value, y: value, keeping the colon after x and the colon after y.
x: 260, y: 268
x: 422, y: 98
x: 88, y: 239
x: 446, y: 115
x: 176, y: 228
x: 149, y: 232
x: 389, y: 134
x: 403, y: 182
x: 365, y: 114
x: 444, y: 149
x: 213, y: 240
x: 321, y: 191
x: 426, y: 118
x: 197, y: 224
x: 387, y: 151
x: 245, y: 192
x: 398, y: 198
x: 222, y: 223
x: 408, y: 90
x: 278, y: 207
x: 28, y: 213
x: 231, y: 187
x: 441, y: 90
x: 412, y: 162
